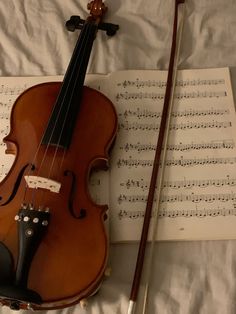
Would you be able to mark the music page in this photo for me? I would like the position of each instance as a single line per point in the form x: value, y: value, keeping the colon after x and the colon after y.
x: 198, y: 191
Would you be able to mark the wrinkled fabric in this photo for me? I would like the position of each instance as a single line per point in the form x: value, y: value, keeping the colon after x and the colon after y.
x: 188, y: 277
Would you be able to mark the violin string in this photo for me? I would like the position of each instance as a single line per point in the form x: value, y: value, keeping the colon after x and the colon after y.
x: 89, y: 31
x: 68, y: 109
x: 162, y: 170
x: 67, y: 112
x: 48, y: 144
x: 83, y: 44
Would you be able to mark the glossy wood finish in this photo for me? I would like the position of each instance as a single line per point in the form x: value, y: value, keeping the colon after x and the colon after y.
x: 71, y: 259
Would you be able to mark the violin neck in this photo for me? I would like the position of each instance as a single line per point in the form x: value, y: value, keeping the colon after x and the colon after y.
x: 61, y: 123
x: 76, y: 71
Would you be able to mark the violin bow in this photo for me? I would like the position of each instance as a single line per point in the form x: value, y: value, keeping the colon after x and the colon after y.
x: 162, y: 138
x: 161, y: 175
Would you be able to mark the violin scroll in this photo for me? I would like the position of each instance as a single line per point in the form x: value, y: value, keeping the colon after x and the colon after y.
x: 97, y: 9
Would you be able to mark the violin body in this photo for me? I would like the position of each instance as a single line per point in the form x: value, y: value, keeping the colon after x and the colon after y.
x: 70, y: 260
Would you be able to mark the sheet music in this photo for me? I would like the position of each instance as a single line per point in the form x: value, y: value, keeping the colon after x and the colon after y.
x: 199, y: 190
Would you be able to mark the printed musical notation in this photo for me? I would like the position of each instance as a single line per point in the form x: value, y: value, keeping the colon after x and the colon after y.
x: 138, y: 83
x: 5, y: 108
x: 4, y: 131
x: 194, y: 198
x: 139, y: 147
x: 12, y: 90
x: 4, y: 168
x: 179, y: 213
x: 144, y: 113
x: 181, y: 184
x: 199, y: 167
x: 160, y: 96
x: 4, y: 116
x: 127, y: 126
x: 182, y: 162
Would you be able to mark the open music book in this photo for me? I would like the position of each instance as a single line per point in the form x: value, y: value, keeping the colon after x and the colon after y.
x: 198, y: 198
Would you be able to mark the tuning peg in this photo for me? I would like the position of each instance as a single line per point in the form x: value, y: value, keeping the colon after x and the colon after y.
x: 75, y: 22
x: 110, y: 28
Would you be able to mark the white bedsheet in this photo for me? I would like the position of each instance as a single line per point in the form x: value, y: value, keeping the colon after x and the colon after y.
x: 188, y: 277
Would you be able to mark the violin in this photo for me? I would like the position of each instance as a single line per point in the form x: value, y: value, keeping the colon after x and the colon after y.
x: 53, y: 243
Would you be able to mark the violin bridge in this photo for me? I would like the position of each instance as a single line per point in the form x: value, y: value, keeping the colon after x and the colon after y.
x: 36, y: 182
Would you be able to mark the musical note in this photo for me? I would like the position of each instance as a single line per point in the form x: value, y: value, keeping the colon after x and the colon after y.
x: 199, y: 171
x: 139, y: 147
x: 5, y: 107
x: 160, y: 96
x: 3, y: 170
x: 189, y: 184
x: 127, y: 126
x: 143, y: 185
x: 12, y: 90
x: 199, y: 82
x: 194, y: 198
x: 179, y: 213
x: 214, y: 144
x: 200, y: 161
x: 182, y: 162
x: 140, y: 114
x: 153, y: 83
x: 5, y: 130
x: 198, y: 113
x: 145, y: 113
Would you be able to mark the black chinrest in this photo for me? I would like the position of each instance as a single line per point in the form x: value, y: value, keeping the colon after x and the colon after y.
x: 6, y: 265
x: 17, y: 294
x: 8, y: 290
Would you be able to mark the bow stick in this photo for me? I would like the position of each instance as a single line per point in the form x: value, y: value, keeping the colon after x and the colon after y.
x: 156, y: 165
x: 160, y: 177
